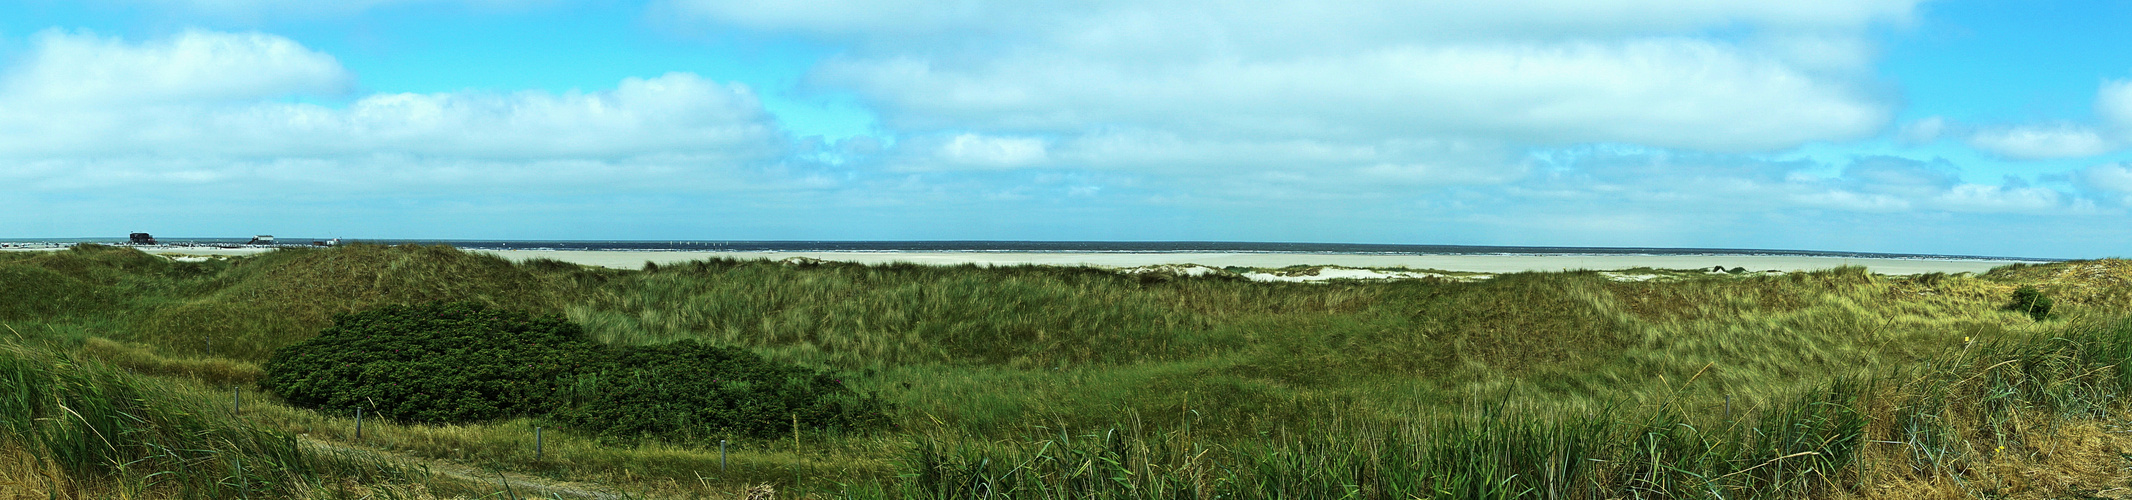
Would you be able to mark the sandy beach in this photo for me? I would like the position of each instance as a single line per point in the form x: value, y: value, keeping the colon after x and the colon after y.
x: 1492, y: 264
x: 1462, y: 263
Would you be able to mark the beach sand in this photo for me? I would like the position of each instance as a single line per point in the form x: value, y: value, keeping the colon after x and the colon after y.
x: 1490, y: 264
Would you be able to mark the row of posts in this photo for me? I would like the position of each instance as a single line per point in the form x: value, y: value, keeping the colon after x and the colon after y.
x: 236, y: 396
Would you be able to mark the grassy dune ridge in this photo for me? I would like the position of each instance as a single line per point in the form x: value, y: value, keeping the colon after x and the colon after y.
x: 1070, y: 382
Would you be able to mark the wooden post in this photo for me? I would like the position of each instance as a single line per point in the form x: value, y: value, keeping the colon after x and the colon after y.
x: 721, y: 454
x: 536, y: 443
x: 236, y: 400
x: 358, y: 422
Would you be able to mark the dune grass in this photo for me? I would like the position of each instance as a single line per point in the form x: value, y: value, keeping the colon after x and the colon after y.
x: 1982, y: 421
x: 76, y: 428
x: 1066, y: 383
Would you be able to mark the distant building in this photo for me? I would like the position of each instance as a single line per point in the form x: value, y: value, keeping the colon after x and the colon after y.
x: 264, y: 239
x: 140, y: 239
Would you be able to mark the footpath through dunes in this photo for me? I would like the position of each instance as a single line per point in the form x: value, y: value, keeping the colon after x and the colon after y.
x: 985, y: 365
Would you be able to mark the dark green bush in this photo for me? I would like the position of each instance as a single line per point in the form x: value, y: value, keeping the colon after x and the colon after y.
x: 687, y: 390
x: 464, y: 362
x: 456, y: 362
x: 2028, y: 300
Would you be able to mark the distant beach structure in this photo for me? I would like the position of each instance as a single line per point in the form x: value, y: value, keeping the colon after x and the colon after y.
x: 140, y: 239
x: 264, y: 239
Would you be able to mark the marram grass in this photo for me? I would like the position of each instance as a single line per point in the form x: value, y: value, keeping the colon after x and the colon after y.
x: 1044, y: 382
x: 75, y: 428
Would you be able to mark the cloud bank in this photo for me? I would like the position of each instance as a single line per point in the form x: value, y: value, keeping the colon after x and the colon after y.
x: 2111, y: 131
x: 1294, y: 80
x: 247, y: 105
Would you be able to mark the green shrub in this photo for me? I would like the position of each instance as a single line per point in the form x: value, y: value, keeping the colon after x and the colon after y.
x: 465, y: 362
x: 686, y: 391
x: 437, y: 363
x: 2028, y: 300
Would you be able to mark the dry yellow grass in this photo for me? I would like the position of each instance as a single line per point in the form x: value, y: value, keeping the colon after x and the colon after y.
x: 143, y: 359
x: 2081, y: 459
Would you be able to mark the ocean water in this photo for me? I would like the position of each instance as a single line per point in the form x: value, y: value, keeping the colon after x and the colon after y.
x: 1037, y: 246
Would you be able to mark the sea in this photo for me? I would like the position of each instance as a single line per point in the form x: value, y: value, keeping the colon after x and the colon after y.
x: 1022, y: 247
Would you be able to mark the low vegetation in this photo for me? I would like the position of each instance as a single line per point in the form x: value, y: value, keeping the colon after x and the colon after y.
x: 2030, y: 301
x: 691, y: 392
x: 1040, y: 382
x: 464, y: 362
x: 74, y: 428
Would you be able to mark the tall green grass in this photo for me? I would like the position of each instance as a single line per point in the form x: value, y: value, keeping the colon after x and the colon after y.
x: 1946, y: 420
x: 94, y: 432
x: 1033, y: 380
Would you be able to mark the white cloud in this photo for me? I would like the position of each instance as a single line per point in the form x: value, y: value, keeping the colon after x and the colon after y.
x: 1668, y: 93
x: 2113, y: 103
x: 886, y: 21
x: 258, y: 8
x: 1923, y: 131
x: 2113, y: 132
x: 2110, y: 178
x: 1851, y: 201
x: 208, y: 110
x: 998, y: 152
x: 1337, y: 86
x: 1988, y: 199
x: 1429, y: 174
x: 205, y: 94
x: 2064, y: 140
x: 82, y: 70
x: 1661, y: 181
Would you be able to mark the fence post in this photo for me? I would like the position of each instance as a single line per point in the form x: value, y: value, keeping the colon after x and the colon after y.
x: 236, y: 399
x: 721, y: 454
x: 358, y: 422
x: 536, y: 442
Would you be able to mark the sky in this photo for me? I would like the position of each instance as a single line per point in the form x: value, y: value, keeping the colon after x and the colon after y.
x: 1906, y: 126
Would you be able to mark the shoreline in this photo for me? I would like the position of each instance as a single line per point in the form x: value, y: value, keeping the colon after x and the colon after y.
x: 1491, y: 264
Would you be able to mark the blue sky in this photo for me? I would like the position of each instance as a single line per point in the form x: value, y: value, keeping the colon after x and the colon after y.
x: 1960, y: 127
